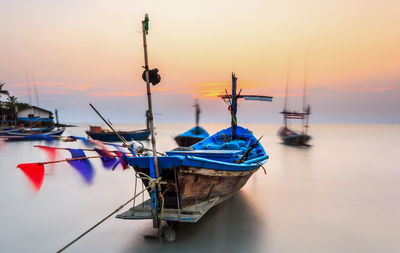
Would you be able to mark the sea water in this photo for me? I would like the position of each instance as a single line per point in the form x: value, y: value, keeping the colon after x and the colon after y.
x: 341, y: 194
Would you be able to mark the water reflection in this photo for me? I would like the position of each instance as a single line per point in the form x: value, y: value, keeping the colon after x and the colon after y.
x: 233, y: 226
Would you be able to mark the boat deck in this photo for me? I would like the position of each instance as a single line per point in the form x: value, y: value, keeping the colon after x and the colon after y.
x: 190, y: 214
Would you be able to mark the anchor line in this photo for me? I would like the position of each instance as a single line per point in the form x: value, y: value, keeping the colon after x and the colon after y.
x: 152, y: 184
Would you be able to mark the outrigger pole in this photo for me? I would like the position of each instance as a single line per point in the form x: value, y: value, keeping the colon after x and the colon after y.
x: 154, y: 172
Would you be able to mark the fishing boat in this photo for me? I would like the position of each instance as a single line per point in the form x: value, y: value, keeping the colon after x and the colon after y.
x: 290, y: 136
x: 193, y: 181
x: 50, y: 136
x: 194, y: 134
x: 32, y: 130
x: 98, y: 133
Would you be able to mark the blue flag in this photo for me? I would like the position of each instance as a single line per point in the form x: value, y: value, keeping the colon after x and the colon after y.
x: 83, y: 166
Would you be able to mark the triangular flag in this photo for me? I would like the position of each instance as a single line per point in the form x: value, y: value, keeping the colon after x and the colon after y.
x: 108, y: 162
x: 122, y: 159
x: 83, y: 166
x: 50, y: 151
x: 34, y: 172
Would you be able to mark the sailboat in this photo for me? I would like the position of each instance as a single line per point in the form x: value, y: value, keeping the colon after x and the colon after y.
x: 194, y: 134
x: 290, y: 136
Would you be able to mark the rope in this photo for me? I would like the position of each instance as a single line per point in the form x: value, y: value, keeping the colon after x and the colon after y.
x: 232, y: 114
x: 152, y: 183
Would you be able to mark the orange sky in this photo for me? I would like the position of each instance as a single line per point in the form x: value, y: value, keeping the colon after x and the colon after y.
x: 96, y: 46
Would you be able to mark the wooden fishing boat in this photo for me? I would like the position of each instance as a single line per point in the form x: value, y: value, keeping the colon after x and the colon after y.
x: 194, y: 134
x: 98, y: 133
x: 199, y: 178
x: 290, y: 136
x: 108, y: 136
x: 32, y: 130
x: 34, y: 136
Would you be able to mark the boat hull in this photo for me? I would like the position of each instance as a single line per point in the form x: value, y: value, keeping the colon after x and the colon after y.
x: 187, y: 141
x: 128, y: 135
x: 191, y: 137
x: 49, y: 136
x: 196, y: 185
x: 290, y: 137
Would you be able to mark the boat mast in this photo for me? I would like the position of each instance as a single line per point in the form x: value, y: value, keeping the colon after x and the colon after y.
x: 197, y: 108
x: 145, y: 28
x: 305, y: 110
x: 233, y: 107
x: 286, y: 89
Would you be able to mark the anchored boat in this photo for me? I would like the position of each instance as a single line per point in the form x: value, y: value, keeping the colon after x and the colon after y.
x: 192, y: 181
x: 194, y: 134
x: 50, y: 136
x: 289, y: 136
x: 98, y: 133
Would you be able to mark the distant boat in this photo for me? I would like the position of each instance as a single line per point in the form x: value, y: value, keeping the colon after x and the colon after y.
x: 98, y: 133
x: 32, y: 130
x: 34, y: 136
x: 292, y: 137
x: 193, y: 135
x: 289, y: 136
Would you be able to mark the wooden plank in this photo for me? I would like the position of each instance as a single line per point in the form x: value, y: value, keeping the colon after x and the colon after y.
x: 190, y: 213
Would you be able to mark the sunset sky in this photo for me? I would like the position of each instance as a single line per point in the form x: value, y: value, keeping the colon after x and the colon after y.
x: 81, y: 51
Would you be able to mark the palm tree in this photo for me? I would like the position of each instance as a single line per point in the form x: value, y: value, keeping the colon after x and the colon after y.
x: 11, y: 104
x: 3, y: 92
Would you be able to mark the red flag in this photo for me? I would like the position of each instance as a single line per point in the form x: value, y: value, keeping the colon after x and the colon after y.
x: 122, y: 159
x: 104, y: 150
x: 34, y: 172
x: 51, y: 152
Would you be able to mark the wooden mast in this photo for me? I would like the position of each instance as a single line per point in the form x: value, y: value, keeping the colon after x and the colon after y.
x: 155, y: 171
x: 305, y: 110
x: 197, y: 108
x: 233, y: 107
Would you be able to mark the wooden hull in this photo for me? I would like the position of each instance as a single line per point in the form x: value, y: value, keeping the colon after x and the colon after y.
x: 197, y: 185
x: 34, y: 137
x: 187, y: 141
x: 128, y: 135
x: 290, y: 137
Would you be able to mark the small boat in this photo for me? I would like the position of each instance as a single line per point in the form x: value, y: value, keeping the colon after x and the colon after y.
x: 289, y: 136
x: 193, y: 135
x: 32, y: 130
x: 292, y: 137
x: 98, y: 133
x: 50, y: 136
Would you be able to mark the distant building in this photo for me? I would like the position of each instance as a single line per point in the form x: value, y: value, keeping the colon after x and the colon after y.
x: 35, y: 116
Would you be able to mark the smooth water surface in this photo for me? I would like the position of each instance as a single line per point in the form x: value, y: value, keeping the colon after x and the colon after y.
x: 342, y: 194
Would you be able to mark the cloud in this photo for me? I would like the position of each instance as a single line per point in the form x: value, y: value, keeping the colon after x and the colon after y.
x: 56, y: 85
x: 128, y: 93
x: 213, y: 89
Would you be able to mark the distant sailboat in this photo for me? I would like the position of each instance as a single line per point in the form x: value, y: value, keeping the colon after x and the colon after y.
x: 193, y: 135
x: 289, y: 136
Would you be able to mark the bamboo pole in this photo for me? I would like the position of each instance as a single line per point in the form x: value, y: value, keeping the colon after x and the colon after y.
x: 151, y: 124
x: 109, y: 125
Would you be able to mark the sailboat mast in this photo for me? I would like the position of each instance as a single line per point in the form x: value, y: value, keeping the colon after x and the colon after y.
x: 305, y: 118
x: 287, y: 82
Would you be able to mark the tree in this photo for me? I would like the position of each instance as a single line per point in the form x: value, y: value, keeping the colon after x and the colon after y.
x: 10, y: 105
x: 3, y: 92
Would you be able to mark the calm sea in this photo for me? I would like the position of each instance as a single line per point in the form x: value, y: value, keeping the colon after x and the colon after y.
x: 342, y: 194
